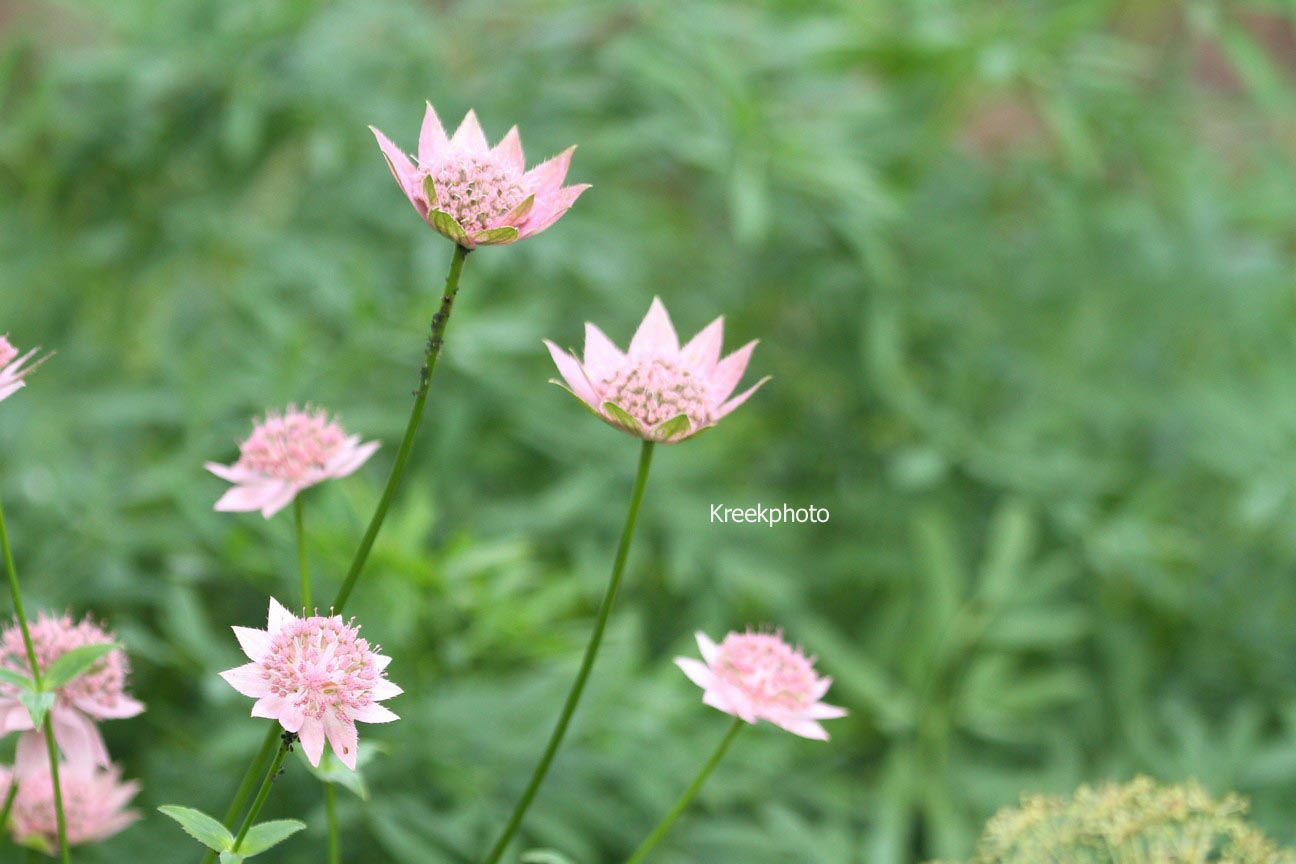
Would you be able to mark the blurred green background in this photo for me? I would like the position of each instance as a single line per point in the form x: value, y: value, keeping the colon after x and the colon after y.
x: 1023, y: 275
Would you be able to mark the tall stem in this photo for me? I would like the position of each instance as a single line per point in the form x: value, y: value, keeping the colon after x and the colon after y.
x: 247, y: 784
x: 430, y: 355
x: 687, y: 798
x: 587, y: 664
x: 8, y: 805
x: 303, y: 559
x: 51, y: 745
x: 334, y: 835
x: 264, y: 792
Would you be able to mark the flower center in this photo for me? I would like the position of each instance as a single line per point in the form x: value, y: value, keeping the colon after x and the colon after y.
x: 291, y: 446
x: 767, y: 670
x: 477, y: 191
x: 656, y: 389
x: 7, y: 352
x: 322, y: 664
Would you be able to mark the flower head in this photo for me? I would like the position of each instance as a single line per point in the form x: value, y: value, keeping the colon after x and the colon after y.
x: 475, y: 194
x: 94, y: 802
x: 14, y: 368
x: 657, y: 390
x: 285, y: 454
x: 758, y: 676
x: 97, y: 694
x: 316, y: 676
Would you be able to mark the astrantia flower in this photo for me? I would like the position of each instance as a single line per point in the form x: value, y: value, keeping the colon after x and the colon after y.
x: 13, y: 368
x: 94, y: 802
x: 285, y: 454
x: 475, y: 194
x: 657, y: 390
x: 98, y: 694
x: 758, y: 676
x: 316, y: 676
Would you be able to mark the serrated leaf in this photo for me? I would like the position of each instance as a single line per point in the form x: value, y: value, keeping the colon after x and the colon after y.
x: 200, y: 826
x: 503, y: 234
x: 669, y: 430
x: 38, y: 705
x: 266, y: 835
x: 75, y: 663
x: 617, y: 413
x: 447, y: 226
x: 17, y: 679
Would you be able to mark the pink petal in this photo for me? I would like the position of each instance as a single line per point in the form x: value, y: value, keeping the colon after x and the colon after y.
x: 698, y: 672
x: 233, y: 473
x: 248, y: 680
x: 656, y: 335
x: 255, y: 643
x: 509, y: 151
x: 549, y: 208
x: 570, y: 369
x: 381, y: 661
x: 717, y: 700
x: 432, y: 138
x: 270, y: 707
x: 342, y: 737
x: 31, y: 755
x: 282, y: 498
x: 470, y: 137
x: 78, y: 737
x: 728, y: 407
x: 548, y: 176
x: 291, y: 718
x: 350, y: 459
x: 602, y: 358
x: 16, y: 718
x: 703, y: 350
x: 729, y: 372
x: 403, y: 170
x: 710, y: 651
x: 384, y: 689
x: 278, y: 617
x: 244, y: 499
x: 122, y: 708
x: 824, y: 711
x: 806, y: 729
x: 373, y: 713
x: 312, y: 732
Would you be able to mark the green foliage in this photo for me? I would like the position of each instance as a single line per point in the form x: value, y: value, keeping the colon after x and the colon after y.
x: 211, y: 833
x: 1022, y: 274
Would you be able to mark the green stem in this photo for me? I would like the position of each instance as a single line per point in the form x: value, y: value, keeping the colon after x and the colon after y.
x: 587, y: 664
x: 21, y: 614
x: 664, y: 826
x: 334, y: 836
x: 431, y: 353
x: 8, y: 805
x: 303, y: 560
x: 247, y: 784
x: 262, y: 794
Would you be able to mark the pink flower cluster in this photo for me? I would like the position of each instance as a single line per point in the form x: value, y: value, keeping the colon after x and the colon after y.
x: 93, y: 794
x: 14, y: 367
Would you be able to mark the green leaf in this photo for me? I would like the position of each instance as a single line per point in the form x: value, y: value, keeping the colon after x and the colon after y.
x: 75, y: 663
x: 265, y: 835
x: 429, y: 190
x: 544, y: 856
x: 200, y: 826
x: 331, y: 770
x: 446, y: 225
x: 618, y: 414
x: 17, y: 679
x: 503, y: 234
x: 38, y: 705
x: 521, y: 211
x: 669, y: 430
x: 232, y: 857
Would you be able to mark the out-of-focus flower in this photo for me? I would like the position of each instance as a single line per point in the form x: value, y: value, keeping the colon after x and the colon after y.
x: 97, y: 694
x: 758, y: 676
x: 285, y: 454
x: 316, y: 676
x: 477, y: 195
x: 13, y: 368
x: 657, y: 390
x: 94, y: 802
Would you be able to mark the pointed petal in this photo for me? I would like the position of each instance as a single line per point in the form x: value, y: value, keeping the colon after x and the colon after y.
x: 570, y: 369
x: 470, y: 137
x: 254, y: 642
x: 697, y: 671
x: 281, y: 498
x: 602, y: 357
x: 78, y: 737
x: 31, y: 755
x: 509, y: 151
x: 729, y: 371
x: 121, y: 708
x: 384, y: 689
x: 373, y: 713
x: 824, y: 711
x: 550, y: 209
x: 342, y: 737
x: 806, y: 729
x: 656, y: 335
x: 728, y: 407
x: 233, y: 473
x: 716, y: 700
x: 401, y: 166
x: 350, y: 459
x: 269, y: 707
x: 244, y: 499
x: 381, y: 661
x: 548, y: 176
x: 278, y: 617
x: 432, y: 138
x: 312, y: 737
x: 248, y: 680
x: 710, y: 650
x: 702, y: 353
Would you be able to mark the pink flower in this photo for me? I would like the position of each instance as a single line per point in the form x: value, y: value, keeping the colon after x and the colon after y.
x: 316, y: 676
x: 12, y: 371
x: 93, y: 805
x: 98, y: 694
x: 657, y: 390
x: 285, y: 454
x: 475, y: 194
x: 758, y: 676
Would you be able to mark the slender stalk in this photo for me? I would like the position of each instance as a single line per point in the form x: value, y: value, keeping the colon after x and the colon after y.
x: 8, y: 805
x: 303, y: 559
x: 334, y: 835
x: 430, y: 355
x: 247, y: 784
x: 21, y: 614
x: 587, y: 664
x: 682, y: 804
x: 264, y: 792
